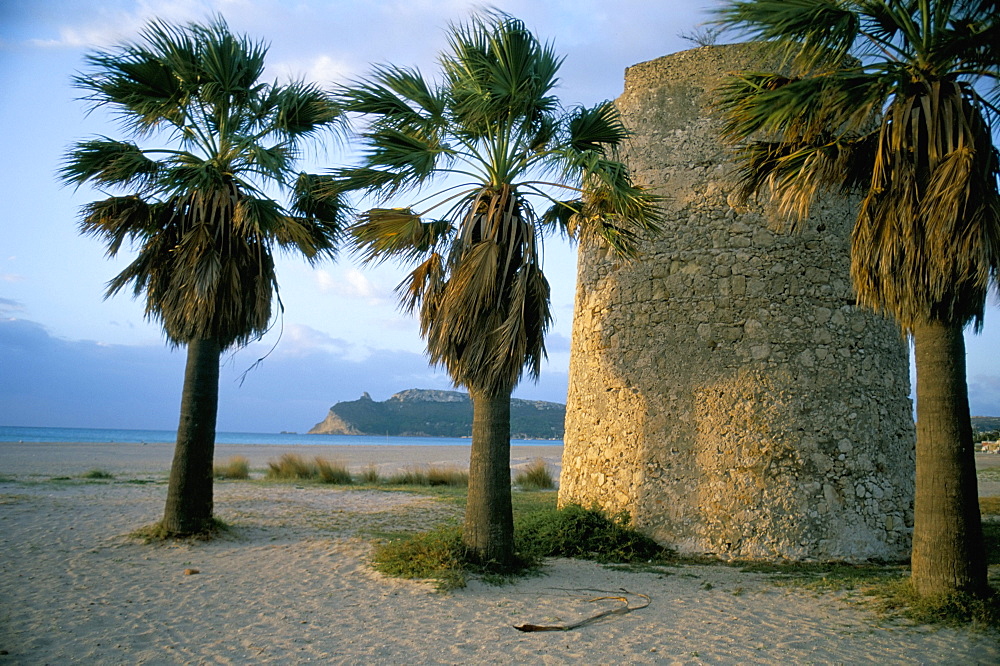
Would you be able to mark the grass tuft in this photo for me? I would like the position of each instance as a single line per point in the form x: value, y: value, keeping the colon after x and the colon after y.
x: 293, y: 467
x: 430, y: 476
x: 332, y: 472
x: 535, y: 476
x: 369, y: 475
x: 953, y: 610
x: 237, y: 467
x: 97, y: 474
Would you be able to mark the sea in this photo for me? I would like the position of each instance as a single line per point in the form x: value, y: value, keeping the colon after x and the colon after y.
x: 26, y: 434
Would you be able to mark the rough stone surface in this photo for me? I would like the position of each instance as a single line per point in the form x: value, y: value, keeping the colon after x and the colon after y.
x: 725, y: 390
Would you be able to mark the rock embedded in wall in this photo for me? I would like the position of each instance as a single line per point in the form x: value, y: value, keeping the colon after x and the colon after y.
x: 724, y: 389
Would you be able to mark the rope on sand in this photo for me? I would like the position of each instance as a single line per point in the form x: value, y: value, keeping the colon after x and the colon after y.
x: 621, y: 610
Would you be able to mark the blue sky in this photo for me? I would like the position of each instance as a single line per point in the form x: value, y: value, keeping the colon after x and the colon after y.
x: 70, y: 358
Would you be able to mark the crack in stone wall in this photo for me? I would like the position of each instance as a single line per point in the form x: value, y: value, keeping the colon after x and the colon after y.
x: 724, y: 389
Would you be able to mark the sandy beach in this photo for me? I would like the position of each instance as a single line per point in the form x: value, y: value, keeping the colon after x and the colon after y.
x: 291, y: 582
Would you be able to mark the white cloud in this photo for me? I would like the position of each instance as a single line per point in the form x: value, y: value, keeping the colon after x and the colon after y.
x: 351, y: 283
x: 323, y: 70
x: 104, y: 26
x: 300, y: 340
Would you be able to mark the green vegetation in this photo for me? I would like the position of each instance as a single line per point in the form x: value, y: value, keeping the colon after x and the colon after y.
x: 540, y: 531
x: 986, y: 425
x: 444, y: 414
x: 589, y: 534
x: 535, y: 476
x: 237, y: 467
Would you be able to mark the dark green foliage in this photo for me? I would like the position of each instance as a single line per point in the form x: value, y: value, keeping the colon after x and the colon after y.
x: 590, y: 534
x: 436, y: 555
x: 540, y: 531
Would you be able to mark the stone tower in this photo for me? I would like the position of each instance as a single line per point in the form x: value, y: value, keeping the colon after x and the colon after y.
x: 724, y: 389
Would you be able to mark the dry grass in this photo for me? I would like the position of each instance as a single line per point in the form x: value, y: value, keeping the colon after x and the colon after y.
x: 294, y: 468
x: 369, y: 475
x: 535, y: 476
x: 237, y: 467
x: 430, y: 476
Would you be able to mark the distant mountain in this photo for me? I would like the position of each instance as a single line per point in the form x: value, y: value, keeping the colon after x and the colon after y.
x: 426, y: 413
x: 985, y: 423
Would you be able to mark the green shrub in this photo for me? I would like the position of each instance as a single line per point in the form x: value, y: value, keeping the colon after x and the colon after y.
x: 437, y: 555
x: 587, y: 534
x: 237, y: 467
x: 535, y: 476
x: 569, y: 532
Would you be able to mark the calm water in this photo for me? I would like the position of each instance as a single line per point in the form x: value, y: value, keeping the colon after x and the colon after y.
x: 22, y: 434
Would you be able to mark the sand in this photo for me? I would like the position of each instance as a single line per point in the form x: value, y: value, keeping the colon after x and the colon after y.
x: 291, y: 583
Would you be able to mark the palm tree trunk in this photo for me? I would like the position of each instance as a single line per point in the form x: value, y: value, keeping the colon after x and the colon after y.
x: 189, y: 493
x: 489, y: 518
x: 948, y: 551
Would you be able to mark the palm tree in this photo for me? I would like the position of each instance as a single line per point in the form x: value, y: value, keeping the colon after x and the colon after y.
x: 894, y: 99
x: 493, y: 129
x: 197, y: 210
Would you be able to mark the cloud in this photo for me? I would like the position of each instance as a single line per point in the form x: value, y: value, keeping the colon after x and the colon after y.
x: 984, y: 395
x: 298, y: 340
x: 53, y: 382
x: 8, y: 305
x: 106, y: 25
x: 323, y: 70
x: 351, y: 283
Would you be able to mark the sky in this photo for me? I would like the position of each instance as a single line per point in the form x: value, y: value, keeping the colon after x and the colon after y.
x: 71, y: 358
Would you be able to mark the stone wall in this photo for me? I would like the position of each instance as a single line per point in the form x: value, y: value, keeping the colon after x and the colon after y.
x: 725, y: 390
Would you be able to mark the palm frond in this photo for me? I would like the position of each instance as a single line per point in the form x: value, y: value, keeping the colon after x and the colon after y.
x: 396, y: 233
x: 107, y: 162
x: 597, y: 128
x: 807, y: 33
